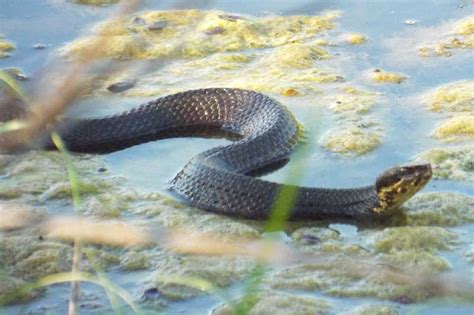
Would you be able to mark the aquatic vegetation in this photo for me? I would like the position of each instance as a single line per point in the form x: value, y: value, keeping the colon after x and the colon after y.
x: 189, y: 34
x: 387, y: 77
x: 354, y: 101
x: 279, y: 303
x: 351, y: 140
x: 461, y: 36
x: 278, y: 55
x: 375, y: 309
x: 466, y: 27
x: 452, y: 97
x: 440, y: 208
x: 5, y: 47
x: 356, y: 39
x: 456, y: 163
x: 458, y: 128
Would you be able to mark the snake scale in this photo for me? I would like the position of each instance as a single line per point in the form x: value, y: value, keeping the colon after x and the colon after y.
x: 222, y: 179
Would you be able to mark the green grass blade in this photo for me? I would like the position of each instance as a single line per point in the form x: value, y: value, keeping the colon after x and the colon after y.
x: 71, y: 170
x: 10, y: 82
x: 87, y: 277
x: 199, y: 284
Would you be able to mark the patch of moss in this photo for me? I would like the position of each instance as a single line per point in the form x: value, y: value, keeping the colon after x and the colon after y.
x: 456, y: 163
x: 458, y: 128
x: 356, y: 39
x: 351, y: 140
x: 440, y: 208
x: 388, y: 77
x: 452, y: 97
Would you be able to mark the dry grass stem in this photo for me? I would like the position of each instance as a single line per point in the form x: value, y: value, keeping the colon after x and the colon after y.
x: 86, y: 230
x: 55, y: 99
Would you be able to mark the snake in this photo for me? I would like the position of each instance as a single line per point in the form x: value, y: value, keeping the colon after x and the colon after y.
x: 225, y: 179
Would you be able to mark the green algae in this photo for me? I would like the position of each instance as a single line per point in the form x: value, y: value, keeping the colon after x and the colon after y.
x: 456, y: 129
x: 277, y: 55
x: 189, y: 34
x: 5, y: 47
x: 373, y: 310
x: 415, y: 247
x: 452, y: 97
x: 469, y: 254
x: 134, y: 260
x: 356, y: 39
x: 351, y: 140
x: 388, y: 77
x: 339, y: 279
x: 455, y: 163
x: 221, y: 272
x: 440, y: 208
x: 353, y: 101
x: 466, y: 27
x: 461, y: 36
x: 278, y: 303
x: 421, y: 238
x: 13, y: 291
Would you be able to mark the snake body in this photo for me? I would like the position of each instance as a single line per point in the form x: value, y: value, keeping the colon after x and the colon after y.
x: 222, y: 179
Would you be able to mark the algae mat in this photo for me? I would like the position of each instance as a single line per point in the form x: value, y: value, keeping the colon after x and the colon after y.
x: 374, y: 84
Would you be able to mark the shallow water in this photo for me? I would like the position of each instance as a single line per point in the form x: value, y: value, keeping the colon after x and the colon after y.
x: 407, y: 125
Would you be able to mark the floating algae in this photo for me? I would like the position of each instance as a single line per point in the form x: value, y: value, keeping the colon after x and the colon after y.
x: 452, y: 97
x: 219, y: 271
x: 456, y: 163
x: 273, y: 54
x: 356, y: 39
x: 455, y: 99
x: 373, y: 310
x: 279, y: 303
x: 353, y: 101
x: 5, y: 47
x: 458, y: 128
x: 351, y: 140
x: 440, y: 208
x: 186, y: 34
x: 387, y: 77
x: 461, y: 36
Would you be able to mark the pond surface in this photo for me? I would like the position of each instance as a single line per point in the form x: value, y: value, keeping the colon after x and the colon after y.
x: 407, y: 124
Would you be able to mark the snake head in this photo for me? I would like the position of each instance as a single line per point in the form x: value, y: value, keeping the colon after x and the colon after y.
x: 398, y: 184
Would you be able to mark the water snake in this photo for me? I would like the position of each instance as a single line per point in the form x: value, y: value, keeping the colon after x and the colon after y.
x: 223, y: 179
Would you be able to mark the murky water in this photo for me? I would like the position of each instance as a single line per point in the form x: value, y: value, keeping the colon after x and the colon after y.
x: 407, y: 126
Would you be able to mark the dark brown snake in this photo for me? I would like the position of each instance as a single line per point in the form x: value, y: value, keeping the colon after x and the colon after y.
x: 222, y: 179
